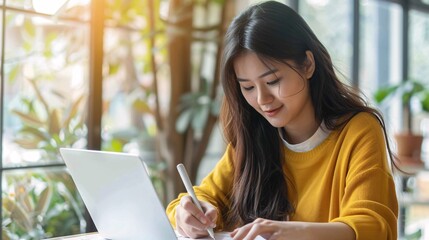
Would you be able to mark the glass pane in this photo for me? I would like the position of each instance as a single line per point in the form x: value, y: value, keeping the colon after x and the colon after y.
x: 46, y: 66
x: 132, y: 14
x: 25, y: 4
x: 419, y: 70
x: 78, y: 9
x: 128, y: 122
x: 127, y: 91
x: 381, y: 54
x: 1, y: 29
x: 419, y: 64
x: 287, y: 2
x: 128, y: 119
x: 419, y: 46
x: 39, y: 204
x: 331, y: 21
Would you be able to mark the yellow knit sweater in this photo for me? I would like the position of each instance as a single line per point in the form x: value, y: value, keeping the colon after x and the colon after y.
x: 344, y: 179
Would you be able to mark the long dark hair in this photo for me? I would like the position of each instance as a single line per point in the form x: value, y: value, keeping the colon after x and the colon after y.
x: 274, y: 31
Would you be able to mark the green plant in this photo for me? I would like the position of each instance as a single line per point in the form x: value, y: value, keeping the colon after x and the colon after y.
x: 37, y: 206
x: 185, y: 47
x: 44, y: 205
x: 408, y: 91
x: 417, y: 235
x: 48, y: 128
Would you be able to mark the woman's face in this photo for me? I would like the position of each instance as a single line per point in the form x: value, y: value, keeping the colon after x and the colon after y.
x: 274, y: 89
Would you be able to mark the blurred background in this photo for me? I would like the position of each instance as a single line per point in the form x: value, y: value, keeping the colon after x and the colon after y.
x: 142, y: 76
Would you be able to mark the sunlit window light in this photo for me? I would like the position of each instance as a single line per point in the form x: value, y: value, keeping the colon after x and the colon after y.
x: 48, y: 6
x: 318, y: 3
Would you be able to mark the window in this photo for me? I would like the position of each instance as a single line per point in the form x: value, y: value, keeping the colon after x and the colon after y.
x: 381, y: 52
x: 44, y: 93
x: 331, y: 21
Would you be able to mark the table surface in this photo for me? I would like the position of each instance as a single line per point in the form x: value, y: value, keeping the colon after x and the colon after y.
x: 96, y: 236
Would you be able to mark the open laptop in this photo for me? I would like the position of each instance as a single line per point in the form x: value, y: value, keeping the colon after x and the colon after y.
x: 118, y: 194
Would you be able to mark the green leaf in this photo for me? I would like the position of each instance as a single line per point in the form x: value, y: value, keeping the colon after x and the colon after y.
x: 215, y: 107
x: 27, y: 143
x: 5, y: 234
x: 35, y: 133
x: 415, y: 235
x: 48, y: 53
x: 219, y: 1
x: 29, y: 27
x: 141, y: 106
x: 29, y: 119
x: 381, y: 94
x: 17, y: 214
x: 54, y: 122
x: 201, y: 115
x: 417, y: 87
x: 184, y: 120
x: 425, y: 101
x: 406, y: 97
x: 116, y: 145
x: 73, y: 111
x: 44, y: 201
x: 13, y: 73
x: 113, y: 68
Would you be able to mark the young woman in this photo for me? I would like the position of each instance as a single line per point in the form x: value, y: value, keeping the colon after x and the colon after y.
x: 307, y: 158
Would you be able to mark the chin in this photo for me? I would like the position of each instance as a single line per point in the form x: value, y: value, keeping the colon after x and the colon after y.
x: 276, y: 124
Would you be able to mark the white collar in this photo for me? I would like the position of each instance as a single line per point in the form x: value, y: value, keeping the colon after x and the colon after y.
x: 318, y: 137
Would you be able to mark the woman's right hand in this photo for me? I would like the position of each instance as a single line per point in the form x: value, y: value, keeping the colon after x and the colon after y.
x: 191, y: 222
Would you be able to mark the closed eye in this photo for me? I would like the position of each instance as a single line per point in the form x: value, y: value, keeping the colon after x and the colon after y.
x: 247, y: 88
x: 274, y: 82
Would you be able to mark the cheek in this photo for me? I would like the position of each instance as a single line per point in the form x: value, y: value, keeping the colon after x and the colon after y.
x: 250, y: 98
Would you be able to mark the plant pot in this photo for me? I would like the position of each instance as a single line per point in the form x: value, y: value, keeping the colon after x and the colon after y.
x: 409, y: 149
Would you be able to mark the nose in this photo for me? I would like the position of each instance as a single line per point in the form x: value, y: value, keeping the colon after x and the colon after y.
x: 264, y: 96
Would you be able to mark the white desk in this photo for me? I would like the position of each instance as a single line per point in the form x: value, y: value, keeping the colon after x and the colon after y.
x: 96, y: 236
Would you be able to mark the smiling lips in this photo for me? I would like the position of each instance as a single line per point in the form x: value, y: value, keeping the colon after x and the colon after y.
x: 272, y: 112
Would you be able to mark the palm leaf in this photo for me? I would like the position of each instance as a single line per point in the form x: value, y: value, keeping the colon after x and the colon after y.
x: 36, y: 133
x: 54, y: 122
x: 29, y: 119
x: 74, y: 110
x: 44, y: 201
x: 5, y: 234
x: 40, y: 96
x: 27, y: 143
x: 17, y: 214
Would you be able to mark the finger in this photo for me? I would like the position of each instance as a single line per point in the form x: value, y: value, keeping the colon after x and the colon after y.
x: 195, y: 233
x: 188, y: 230
x: 261, y: 227
x: 187, y: 203
x: 240, y: 233
x: 186, y: 220
x: 232, y: 234
x: 180, y: 231
x: 210, y: 212
x: 252, y: 230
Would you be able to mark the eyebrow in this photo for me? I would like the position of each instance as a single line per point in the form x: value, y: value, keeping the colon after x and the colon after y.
x: 271, y: 71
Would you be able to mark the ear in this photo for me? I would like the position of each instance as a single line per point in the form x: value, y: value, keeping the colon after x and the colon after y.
x: 310, y: 65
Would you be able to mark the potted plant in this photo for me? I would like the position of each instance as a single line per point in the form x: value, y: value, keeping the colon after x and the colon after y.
x: 408, y: 142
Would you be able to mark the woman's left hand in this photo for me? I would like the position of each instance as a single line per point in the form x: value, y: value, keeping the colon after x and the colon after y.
x: 269, y: 229
x: 279, y: 230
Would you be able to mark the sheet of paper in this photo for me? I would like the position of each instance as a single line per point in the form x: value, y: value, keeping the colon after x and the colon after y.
x: 96, y: 236
x: 218, y: 236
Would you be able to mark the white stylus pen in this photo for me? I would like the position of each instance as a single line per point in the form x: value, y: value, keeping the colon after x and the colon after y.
x: 188, y: 185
